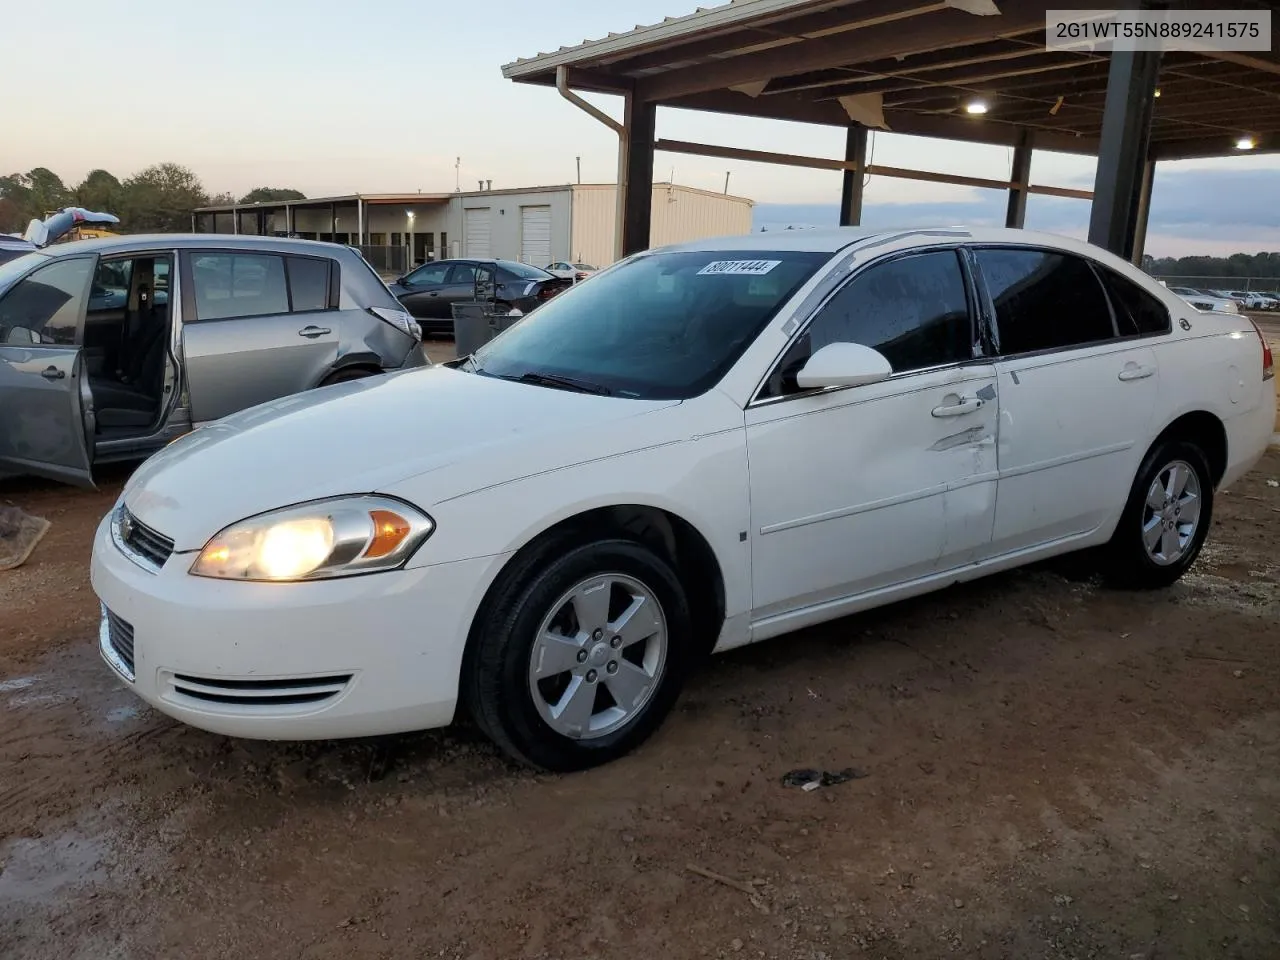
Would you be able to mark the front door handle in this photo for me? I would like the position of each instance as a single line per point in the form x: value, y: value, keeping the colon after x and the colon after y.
x: 963, y: 406
x: 311, y: 332
x: 434, y: 293
x: 1134, y: 372
x: 53, y: 373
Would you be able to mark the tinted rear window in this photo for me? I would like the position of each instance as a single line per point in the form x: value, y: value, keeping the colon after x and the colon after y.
x: 1044, y: 300
x: 308, y: 283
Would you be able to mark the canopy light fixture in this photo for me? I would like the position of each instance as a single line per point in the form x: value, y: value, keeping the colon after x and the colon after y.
x: 1157, y: 91
x: 976, y: 107
x: 1246, y: 143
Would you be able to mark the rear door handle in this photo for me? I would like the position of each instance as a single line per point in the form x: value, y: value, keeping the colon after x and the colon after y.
x: 1135, y: 373
x: 311, y: 332
x: 965, y: 405
x: 53, y: 373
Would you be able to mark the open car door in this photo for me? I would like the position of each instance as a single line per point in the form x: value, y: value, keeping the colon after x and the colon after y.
x: 43, y: 429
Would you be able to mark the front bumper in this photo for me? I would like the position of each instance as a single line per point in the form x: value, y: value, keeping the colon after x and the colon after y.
x: 353, y: 657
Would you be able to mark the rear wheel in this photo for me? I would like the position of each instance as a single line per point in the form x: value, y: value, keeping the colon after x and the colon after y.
x: 1165, y: 520
x: 579, y: 654
x: 351, y: 373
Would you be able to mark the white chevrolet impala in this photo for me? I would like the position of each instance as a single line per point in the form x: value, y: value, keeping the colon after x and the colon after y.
x: 705, y: 446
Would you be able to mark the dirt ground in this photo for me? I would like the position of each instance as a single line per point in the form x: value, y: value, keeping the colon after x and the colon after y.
x: 1047, y: 769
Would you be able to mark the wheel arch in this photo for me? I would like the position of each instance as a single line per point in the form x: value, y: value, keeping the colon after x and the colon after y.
x: 1207, y: 431
x: 361, y: 360
x: 671, y: 536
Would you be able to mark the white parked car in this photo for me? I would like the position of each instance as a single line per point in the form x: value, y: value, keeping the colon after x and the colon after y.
x: 570, y: 271
x: 1203, y: 301
x: 708, y: 445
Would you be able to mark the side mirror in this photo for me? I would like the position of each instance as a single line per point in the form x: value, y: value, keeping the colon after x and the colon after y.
x: 399, y: 280
x: 843, y: 365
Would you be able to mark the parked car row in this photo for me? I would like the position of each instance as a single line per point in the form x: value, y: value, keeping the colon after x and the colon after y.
x: 707, y: 445
x: 430, y: 291
x: 1239, y: 299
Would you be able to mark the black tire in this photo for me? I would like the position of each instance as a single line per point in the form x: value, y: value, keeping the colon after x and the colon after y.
x: 1126, y: 562
x: 496, y: 685
x: 350, y: 373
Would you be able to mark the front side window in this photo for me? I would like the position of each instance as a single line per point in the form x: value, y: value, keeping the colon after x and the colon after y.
x: 231, y: 285
x: 1044, y: 300
x: 45, y: 307
x: 429, y: 275
x: 662, y: 326
x: 462, y: 273
x: 1138, y: 313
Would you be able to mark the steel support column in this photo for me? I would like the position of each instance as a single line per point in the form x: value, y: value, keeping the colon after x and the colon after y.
x: 635, y: 169
x: 1122, y: 149
x: 855, y: 152
x: 1020, y: 175
x: 359, y: 222
x: 235, y: 220
x: 1144, y: 212
x: 333, y: 221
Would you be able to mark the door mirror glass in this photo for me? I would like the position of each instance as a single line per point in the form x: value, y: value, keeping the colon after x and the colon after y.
x: 843, y: 365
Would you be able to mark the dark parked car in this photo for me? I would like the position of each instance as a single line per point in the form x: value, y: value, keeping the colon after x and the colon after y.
x: 430, y: 291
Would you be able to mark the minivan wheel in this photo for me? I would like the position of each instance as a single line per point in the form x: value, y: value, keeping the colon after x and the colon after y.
x: 350, y: 373
x: 1165, y: 520
x: 579, y: 654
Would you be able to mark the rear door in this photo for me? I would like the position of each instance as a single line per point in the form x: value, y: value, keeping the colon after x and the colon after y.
x: 251, y: 328
x: 1077, y: 396
x: 42, y: 424
x: 460, y: 285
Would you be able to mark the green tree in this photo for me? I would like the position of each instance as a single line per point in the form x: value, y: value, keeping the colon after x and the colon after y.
x: 48, y: 192
x: 161, y: 198
x: 268, y: 194
x: 100, y: 192
x: 15, y: 203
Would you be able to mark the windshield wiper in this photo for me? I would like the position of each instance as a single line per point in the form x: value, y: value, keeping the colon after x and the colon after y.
x: 562, y: 383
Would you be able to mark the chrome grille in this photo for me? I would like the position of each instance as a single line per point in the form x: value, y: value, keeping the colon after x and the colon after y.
x: 277, y: 692
x: 116, y: 640
x: 139, y: 541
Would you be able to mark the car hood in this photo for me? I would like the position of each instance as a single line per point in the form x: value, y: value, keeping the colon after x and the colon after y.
x: 364, y: 436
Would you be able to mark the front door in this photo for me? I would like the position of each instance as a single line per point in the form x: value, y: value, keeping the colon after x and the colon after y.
x: 42, y: 427
x: 424, y: 287
x: 263, y: 327
x: 1076, y: 399
x: 857, y: 489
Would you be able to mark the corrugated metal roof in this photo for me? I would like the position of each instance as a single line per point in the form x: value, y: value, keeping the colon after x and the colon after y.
x: 642, y: 35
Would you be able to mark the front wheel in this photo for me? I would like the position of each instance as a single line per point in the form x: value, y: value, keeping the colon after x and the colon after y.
x: 1165, y: 520
x: 579, y: 654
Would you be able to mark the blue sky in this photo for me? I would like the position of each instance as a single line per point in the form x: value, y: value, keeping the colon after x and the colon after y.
x: 337, y: 97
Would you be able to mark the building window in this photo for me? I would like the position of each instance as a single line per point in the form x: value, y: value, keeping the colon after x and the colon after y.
x: 395, y: 240
x: 444, y: 244
x: 377, y: 239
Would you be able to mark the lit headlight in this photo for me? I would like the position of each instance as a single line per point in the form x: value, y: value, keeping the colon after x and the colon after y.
x: 315, y: 541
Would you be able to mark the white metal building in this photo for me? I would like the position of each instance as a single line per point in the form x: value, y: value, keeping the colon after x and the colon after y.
x: 537, y: 225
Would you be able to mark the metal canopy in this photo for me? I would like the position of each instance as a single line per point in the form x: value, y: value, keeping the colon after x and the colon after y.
x: 917, y: 64
x: 969, y: 70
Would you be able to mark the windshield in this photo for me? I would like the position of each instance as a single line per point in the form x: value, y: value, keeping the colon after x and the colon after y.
x: 523, y: 270
x: 12, y: 269
x: 663, y: 326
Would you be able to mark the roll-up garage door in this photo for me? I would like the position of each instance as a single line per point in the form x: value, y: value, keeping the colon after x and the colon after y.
x: 535, y: 235
x: 476, y: 231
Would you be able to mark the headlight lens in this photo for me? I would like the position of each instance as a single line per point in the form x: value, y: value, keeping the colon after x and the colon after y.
x: 315, y: 541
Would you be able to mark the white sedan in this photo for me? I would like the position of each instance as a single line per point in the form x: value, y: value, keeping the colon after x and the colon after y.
x: 708, y: 445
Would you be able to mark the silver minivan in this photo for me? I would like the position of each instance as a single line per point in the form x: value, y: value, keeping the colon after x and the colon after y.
x: 111, y: 348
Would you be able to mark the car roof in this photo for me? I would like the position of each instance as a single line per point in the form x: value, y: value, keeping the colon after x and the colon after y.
x: 150, y: 241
